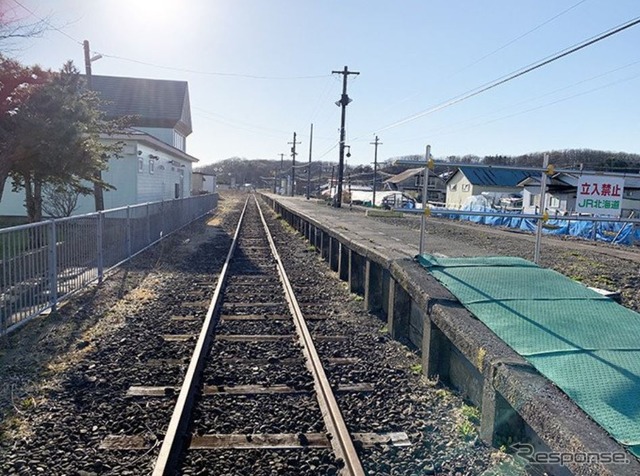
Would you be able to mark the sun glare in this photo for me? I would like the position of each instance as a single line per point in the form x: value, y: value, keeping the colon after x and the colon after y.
x: 161, y: 11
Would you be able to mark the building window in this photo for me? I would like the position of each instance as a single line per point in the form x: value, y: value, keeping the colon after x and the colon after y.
x: 152, y: 166
x: 178, y: 140
x: 466, y: 187
x: 140, y: 164
x: 532, y: 200
x: 453, y: 187
x: 554, y: 202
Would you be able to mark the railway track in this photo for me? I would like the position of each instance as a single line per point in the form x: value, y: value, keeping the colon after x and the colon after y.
x: 254, y: 399
x: 247, y: 297
x: 255, y: 330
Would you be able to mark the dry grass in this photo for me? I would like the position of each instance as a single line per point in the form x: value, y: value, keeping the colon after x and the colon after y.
x: 34, y: 359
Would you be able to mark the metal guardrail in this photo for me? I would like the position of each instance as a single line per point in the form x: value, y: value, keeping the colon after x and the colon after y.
x: 540, y: 220
x: 43, y: 263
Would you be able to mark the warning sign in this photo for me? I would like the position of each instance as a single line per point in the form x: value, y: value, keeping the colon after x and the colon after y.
x: 600, y: 195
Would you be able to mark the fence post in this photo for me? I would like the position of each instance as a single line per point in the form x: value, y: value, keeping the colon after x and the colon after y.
x: 148, y: 226
x: 99, y: 246
x: 543, y: 209
x: 128, y: 231
x: 425, y: 192
x: 53, y: 266
x: 162, y: 220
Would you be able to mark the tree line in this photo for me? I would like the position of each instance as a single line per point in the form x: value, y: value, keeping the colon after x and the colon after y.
x: 261, y: 172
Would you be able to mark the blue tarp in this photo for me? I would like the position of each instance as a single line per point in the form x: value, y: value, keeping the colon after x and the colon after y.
x: 611, y: 232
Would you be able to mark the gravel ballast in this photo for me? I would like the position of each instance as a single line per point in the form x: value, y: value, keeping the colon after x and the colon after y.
x: 66, y: 374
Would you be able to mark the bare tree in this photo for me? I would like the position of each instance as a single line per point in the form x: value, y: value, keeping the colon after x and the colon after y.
x: 14, y: 28
x: 59, y: 201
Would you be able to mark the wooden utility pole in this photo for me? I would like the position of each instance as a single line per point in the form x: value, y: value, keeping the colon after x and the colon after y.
x: 281, y: 165
x: 331, y: 183
x: 376, y: 143
x: 293, y: 168
x: 309, y: 167
x: 98, y: 193
x: 343, y: 102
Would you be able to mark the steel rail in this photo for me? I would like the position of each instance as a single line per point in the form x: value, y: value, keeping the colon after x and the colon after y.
x: 174, y: 440
x: 341, y: 441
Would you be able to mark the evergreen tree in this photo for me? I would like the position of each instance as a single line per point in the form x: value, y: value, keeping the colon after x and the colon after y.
x: 56, y: 140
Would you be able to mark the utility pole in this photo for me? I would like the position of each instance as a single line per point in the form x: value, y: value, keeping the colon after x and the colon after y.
x: 275, y: 180
x: 87, y: 63
x: 376, y: 143
x: 281, y: 164
x: 331, y: 183
x: 98, y: 194
x: 293, y: 168
x: 343, y: 102
x: 309, y: 167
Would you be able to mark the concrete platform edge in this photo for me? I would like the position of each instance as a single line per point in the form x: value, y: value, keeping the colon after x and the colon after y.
x: 516, y: 401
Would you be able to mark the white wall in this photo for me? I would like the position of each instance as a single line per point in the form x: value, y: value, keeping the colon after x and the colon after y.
x: 133, y: 186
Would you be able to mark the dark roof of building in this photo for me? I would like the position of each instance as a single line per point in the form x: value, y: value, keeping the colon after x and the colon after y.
x: 153, y: 102
x: 494, y: 177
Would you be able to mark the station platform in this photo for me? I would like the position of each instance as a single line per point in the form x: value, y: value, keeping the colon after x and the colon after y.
x: 397, y: 242
x: 379, y: 261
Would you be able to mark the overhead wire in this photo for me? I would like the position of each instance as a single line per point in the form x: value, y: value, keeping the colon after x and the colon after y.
x: 212, y: 73
x: 567, y: 98
x: 500, y: 48
x: 516, y: 74
x: 440, y: 130
x: 46, y: 22
x: 171, y: 68
x: 518, y: 38
x: 232, y: 122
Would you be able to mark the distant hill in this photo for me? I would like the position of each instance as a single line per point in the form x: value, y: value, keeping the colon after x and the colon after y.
x: 587, y: 159
x: 260, y: 172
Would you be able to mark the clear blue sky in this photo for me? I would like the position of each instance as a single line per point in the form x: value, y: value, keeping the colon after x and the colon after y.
x: 412, y: 55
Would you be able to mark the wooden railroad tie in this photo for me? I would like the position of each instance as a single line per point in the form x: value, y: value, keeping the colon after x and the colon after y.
x: 257, y: 441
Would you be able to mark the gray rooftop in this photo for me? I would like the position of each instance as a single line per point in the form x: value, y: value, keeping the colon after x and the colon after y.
x: 153, y: 102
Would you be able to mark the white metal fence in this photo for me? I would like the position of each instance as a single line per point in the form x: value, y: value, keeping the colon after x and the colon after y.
x: 44, y: 262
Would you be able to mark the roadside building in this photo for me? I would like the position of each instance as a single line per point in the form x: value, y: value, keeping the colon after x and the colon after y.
x: 203, y: 183
x: 153, y: 164
x: 562, y: 191
x: 471, y: 181
x: 411, y: 182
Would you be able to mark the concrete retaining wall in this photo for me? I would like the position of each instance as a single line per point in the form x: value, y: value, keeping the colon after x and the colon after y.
x: 517, y: 403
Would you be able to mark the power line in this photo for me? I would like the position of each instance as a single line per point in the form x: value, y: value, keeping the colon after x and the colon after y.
x: 517, y: 73
x: 557, y: 101
x: 237, y: 124
x: 171, y: 68
x: 325, y: 153
x: 32, y: 13
x: 212, y: 73
x: 500, y: 48
x: 469, y: 123
x: 509, y: 43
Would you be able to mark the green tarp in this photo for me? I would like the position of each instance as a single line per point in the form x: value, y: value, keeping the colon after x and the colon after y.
x: 587, y: 344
